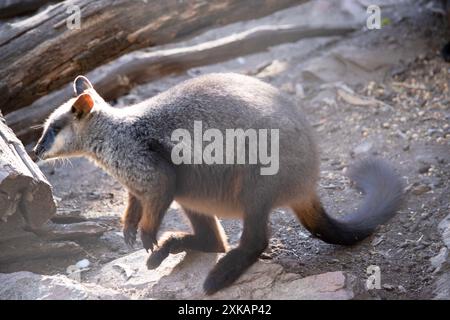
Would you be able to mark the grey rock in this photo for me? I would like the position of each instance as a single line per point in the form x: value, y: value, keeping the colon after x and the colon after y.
x: 442, y: 287
x: 181, y: 276
x: 362, y: 148
x: 420, y: 189
x: 30, y: 286
x: 439, y: 260
x: 424, y: 168
x: 71, y: 231
x: 442, y: 260
x: 444, y: 224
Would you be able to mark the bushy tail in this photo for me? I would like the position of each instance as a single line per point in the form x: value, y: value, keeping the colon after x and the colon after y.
x: 383, y: 191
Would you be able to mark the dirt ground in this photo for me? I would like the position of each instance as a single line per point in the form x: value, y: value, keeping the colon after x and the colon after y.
x: 398, y: 110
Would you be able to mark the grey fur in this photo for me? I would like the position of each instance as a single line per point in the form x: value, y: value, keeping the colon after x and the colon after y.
x: 120, y: 140
x: 134, y: 145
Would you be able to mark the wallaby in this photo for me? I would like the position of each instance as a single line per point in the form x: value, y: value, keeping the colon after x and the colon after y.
x: 134, y: 145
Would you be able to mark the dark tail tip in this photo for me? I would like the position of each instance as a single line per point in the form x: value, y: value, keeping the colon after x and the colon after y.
x: 383, y: 192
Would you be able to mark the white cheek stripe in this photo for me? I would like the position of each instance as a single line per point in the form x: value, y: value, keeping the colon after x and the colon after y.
x: 58, y: 144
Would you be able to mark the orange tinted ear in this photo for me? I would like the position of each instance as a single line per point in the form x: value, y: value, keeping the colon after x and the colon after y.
x: 83, y: 104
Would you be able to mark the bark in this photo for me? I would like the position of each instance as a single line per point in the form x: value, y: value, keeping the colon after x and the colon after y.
x: 118, y: 77
x: 23, y: 188
x: 41, y: 53
x: 14, y: 8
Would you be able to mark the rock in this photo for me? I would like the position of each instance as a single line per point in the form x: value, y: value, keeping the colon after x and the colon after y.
x: 442, y: 262
x: 30, y: 286
x: 82, y: 264
x: 74, y: 271
x: 439, y: 260
x: 299, y: 90
x: 355, y: 64
x: 424, y: 168
x: 288, y: 87
x: 402, y: 289
x: 273, y: 69
x: 446, y: 237
x: 33, y: 248
x: 14, y: 229
x: 420, y: 189
x: 71, y: 231
x: 364, y: 147
x: 181, y: 276
x: 442, y: 290
x: 444, y: 229
x: 444, y: 224
x: 388, y: 287
x: 67, y: 215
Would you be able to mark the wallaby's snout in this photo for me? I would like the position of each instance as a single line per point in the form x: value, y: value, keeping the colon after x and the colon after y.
x: 38, y: 151
x: 44, y: 144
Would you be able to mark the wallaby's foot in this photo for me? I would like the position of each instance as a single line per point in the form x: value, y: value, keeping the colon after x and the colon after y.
x: 148, y: 240
x: 180, y: 242
x: 254, y: 241
x: 160, y: 253
x: 129, y: 235
x: 156, y: 258
x: 227, y: 270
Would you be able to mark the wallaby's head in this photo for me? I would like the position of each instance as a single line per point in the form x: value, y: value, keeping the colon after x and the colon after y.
x: 64, y: 130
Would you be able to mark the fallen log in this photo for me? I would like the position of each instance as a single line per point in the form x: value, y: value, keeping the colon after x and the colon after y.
x: 14, y: 8
x: 20, y: 251
x: 117, y: 78
x: 41, y: 53
x: 24, y: 189
x: 71, y: 231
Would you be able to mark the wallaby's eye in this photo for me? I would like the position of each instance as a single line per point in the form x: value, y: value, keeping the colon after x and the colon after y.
x: 56, y: 129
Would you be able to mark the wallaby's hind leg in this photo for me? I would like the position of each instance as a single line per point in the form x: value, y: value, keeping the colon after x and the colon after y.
x: 208, y: 236
x: 130, y: 219
x: 254, y: 241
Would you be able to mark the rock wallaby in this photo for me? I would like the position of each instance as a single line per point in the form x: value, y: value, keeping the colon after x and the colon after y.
x: 135, y: 145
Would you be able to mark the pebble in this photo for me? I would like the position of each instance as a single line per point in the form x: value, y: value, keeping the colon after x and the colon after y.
x: 299, y: 91
x: 388, y: 287
x: 424, y: 168
x: 85, y: 263
x: 402, y: 289
x: 364, y: 147
x: 420, y: 189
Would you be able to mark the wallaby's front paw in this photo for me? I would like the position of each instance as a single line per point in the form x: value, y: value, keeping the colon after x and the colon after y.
x: 129, y: 235
x: 148, y: 240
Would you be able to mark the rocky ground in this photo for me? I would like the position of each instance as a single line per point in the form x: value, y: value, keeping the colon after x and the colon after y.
x: 381, y: 93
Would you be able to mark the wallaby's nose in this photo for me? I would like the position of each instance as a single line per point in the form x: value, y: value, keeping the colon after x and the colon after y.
x: 38, y: 150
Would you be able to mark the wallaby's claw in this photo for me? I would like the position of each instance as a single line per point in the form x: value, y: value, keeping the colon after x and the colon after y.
x: 148, y: 240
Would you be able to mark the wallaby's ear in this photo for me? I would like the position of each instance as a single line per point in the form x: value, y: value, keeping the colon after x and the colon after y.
x: 83, y: 105
x: 81, y: 84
